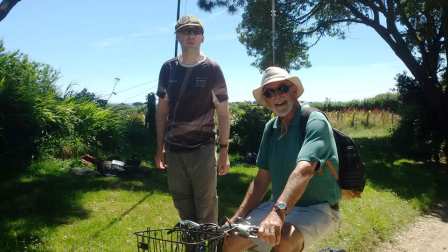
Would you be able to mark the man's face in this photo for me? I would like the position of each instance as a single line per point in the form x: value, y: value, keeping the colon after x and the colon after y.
x: 190, y: 37
x: 280, y: 97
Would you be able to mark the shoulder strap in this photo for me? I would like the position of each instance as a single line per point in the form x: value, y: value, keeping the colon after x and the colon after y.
x: 304, y: 115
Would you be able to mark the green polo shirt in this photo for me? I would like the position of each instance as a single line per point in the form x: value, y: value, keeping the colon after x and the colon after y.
x: 280, y: 155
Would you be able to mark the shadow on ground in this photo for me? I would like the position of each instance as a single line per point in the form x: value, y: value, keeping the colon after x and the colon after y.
x: 30, y: 205
x: 408, y: 178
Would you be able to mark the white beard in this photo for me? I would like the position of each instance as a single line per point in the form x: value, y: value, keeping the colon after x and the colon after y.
x: 283, y: 110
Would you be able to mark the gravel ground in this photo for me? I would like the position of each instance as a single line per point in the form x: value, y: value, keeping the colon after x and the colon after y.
x: 428, y: 234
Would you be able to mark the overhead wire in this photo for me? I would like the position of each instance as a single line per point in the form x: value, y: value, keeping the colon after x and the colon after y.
x: 102, y: 96
x: 185, y: 10
x: 152, y: 87
x: 135, y: 86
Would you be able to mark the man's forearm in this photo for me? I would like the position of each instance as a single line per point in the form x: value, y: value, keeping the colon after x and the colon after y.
x: 160, y: 133
x: 222, y: 110
x: 161, y: 119
x: 297, y: 183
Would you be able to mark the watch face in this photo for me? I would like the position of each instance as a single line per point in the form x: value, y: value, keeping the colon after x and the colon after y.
x: 281, y: 205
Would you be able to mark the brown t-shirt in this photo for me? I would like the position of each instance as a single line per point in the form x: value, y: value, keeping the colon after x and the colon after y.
x: 190, y: 119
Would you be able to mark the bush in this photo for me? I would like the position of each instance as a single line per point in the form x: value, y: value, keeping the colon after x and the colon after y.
x: 247, y: 127
x: 36, y: 121
x: 26, y: 88
x: 416, y: 133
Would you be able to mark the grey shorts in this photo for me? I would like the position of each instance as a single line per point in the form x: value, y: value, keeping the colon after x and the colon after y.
x: 312, y: 221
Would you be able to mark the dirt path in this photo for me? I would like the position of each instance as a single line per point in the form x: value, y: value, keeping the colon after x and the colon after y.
x: 428, y: 233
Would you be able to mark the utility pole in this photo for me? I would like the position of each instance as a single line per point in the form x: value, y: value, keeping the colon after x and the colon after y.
x: 116, y: 79
x: 177, y: 18
x: 273, y: 31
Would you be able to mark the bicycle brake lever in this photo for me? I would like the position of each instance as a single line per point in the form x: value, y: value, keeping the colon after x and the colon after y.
x: 188, y: 224
x: 247, y: 231
x: 253, y: 232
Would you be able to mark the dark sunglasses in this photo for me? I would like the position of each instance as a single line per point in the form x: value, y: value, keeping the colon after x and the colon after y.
x: 271, y: 92
x: 191, y: 31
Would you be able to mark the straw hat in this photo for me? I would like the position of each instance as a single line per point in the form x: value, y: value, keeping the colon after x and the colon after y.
x: 275, y: 74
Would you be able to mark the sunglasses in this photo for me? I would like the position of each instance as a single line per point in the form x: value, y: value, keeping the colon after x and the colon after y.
x: 191, y: 31
x: 271, y: 92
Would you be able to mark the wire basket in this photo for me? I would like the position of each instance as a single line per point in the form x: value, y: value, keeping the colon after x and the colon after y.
x: 179, y: 240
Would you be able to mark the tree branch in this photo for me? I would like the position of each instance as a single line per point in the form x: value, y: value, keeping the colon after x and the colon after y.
x: 405, y: 19
x: 325, y: 24
x: 304, y: 18
x: 400, y: 49
x: 5, y: 7
x: 376, y: 9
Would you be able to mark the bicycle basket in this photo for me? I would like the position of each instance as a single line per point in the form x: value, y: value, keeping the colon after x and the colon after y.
x: 179, y: 240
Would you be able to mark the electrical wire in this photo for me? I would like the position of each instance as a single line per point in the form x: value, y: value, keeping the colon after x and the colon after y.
x: 135, y: 86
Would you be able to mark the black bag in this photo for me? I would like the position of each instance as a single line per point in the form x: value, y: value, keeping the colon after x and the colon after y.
x: 351, y: 177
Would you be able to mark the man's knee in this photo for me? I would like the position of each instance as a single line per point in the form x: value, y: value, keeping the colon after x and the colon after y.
x: 291, y: 240
x: 207, y: 209
x: 233, y: 243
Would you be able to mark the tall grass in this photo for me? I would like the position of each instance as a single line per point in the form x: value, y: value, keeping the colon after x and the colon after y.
x: 364, y: 123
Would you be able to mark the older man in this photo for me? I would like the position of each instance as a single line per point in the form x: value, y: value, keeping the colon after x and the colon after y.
x: 305, y: 195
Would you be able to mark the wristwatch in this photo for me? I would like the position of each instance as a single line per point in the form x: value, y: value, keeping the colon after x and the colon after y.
x: 281, y: 208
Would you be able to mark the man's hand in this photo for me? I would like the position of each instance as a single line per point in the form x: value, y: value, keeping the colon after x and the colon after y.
x: 223, y: 164
x: 234, y: 219
x: 159, y: 160
x: 270, y: 229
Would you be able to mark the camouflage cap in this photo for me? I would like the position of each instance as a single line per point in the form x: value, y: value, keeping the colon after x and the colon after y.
x: 186, y: 21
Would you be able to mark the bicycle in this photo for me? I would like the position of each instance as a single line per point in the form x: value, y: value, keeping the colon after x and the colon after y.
x: 190, y: 236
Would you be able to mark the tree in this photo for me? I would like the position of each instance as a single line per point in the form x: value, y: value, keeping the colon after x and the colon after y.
x: 6, y: 6
x: 416, y: 31
x: 85, y: 95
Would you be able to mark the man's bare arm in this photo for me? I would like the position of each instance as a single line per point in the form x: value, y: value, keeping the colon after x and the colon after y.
x: 297, y: 183
x: 270, y: 228
x: 161, y: 119
x: 222, y: 111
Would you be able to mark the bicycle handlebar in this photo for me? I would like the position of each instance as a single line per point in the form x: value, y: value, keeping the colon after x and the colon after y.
x: 241, y: 229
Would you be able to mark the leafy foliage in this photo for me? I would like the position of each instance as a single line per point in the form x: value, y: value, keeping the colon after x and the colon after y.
x: 417, y: 133
x: 36, y: 121
x: 247, y: 126
x: 25, y: 89
x: 253, y: 31
x: 85, y: 95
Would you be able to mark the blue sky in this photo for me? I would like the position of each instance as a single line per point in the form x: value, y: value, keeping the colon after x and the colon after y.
x: 92, y: 42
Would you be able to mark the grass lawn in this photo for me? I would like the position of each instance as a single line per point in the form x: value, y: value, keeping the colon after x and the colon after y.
x: 49, y: 209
